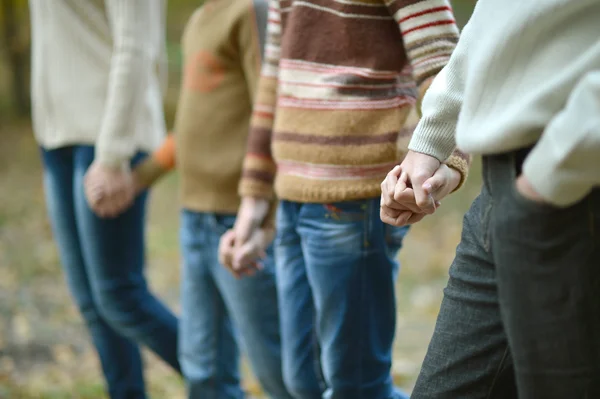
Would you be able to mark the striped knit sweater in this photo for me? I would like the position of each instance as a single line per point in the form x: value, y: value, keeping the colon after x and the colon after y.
x: 339, y: 80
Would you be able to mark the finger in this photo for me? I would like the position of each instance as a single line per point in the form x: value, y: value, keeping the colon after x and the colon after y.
x: 387, y: 191
x: 423, y: 198
x: 391, y: 216
x: 435, y: 185
x: 246, y: 254
x: 388, y: 184
x: 390, y: 212
x: 401, y: 219
x: 405, y: 200
x: 394, y: 175
x: 226, y: 248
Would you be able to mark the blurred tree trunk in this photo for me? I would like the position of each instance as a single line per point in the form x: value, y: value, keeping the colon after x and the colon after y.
x: 17, y: 56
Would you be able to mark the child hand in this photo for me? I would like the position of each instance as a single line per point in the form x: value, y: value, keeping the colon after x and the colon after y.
x: 245, y: 259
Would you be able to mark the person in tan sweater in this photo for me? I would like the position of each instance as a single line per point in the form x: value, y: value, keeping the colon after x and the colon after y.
x: 220, y: 314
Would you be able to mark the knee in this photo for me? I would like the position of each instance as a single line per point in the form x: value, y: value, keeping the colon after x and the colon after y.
x: 88, y: 310
x: 301, y: 388
x: 121, y: 309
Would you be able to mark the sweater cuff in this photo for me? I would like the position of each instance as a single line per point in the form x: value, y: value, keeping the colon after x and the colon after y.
x: 434, y: 139
x: 459, y: 162
x: 250, y: 187
x: 110, y: 160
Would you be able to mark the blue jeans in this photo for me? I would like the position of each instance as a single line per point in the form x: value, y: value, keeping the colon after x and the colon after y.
x: 521, y: 312
x: 336, y: 271
x: 216, y: 306
x: 103, y: 260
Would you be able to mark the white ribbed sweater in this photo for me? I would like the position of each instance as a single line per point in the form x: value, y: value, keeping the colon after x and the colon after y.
x: 97, y: 70
x: 524, y: 73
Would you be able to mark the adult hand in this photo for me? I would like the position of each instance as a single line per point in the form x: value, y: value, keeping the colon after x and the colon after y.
x: 418, y: 172
x: 397, y: 205
x: 525, y: 188
x: 109, y: 191
x: 414, y: 189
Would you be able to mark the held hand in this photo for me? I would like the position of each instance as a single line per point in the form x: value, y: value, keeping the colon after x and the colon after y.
x: 397, y: 205
x: 525, y: 188
x: 417, y: 170
x: 399, y: 192
x: 108, y: 191
x: 247, y: 257
x: 250, y: 218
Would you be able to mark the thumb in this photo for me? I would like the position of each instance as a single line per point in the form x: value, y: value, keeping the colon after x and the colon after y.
x: 422, y: 193
x: 434, y: 185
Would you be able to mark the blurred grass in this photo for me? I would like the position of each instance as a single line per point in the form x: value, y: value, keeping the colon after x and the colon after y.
x: 44, y: 347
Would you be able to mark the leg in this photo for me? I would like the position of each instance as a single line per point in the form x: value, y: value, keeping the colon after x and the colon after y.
x: 296, y: 309
x: 468, y: 356
x: 351, y: 272
x: 548, y: 279
x: 120, y: 357
x: 252, y: 305
x: 113, y: 250
x: 207, y: 348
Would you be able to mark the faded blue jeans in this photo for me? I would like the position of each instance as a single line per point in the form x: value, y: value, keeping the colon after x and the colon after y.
x: 220, y: 311
x: 336, y: 273
x: 103, y: 260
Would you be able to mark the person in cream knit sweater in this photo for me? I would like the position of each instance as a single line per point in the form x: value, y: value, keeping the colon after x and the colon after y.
x: 521, y: 312
x: 97, y: 80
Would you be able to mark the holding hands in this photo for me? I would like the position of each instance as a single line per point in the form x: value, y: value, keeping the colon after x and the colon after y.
x: 415, y: 188
x: 109, y: 191
x: 242, y: 248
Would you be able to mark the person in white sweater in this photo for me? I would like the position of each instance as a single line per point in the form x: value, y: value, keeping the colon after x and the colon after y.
x: 521, y: 311
x: 97, y: 71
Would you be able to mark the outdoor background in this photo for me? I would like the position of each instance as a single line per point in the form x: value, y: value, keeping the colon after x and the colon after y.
x: 44, y: 347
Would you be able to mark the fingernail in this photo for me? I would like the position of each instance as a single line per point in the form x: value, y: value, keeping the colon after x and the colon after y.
x: 427, y: 186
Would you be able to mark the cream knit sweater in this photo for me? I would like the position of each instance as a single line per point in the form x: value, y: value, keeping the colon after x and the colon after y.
x: 97, y: 70
x: 524, y: 73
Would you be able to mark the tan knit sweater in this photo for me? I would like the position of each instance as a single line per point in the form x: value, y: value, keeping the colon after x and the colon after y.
x: 222, y: 54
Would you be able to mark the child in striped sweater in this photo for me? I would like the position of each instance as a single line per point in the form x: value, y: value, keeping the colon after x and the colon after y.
x: 338, y: 82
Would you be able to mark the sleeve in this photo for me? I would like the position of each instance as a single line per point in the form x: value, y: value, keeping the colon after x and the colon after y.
x: 564, y: 165
x: 159, y: 164
x: 163, y: 57
x: 251, y: 42
x: 430, y: 37
x: 430, y: 34
x: 435, y: 133
x: 259, y: 168
x: 129, y: 68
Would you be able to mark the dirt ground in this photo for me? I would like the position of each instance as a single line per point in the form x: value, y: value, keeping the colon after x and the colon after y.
x: 44, y: 348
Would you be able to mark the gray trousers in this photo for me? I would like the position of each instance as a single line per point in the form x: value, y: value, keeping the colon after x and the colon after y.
x: 521, y: 312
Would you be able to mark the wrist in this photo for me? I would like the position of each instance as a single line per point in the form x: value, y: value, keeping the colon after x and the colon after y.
x: 455, y: 179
